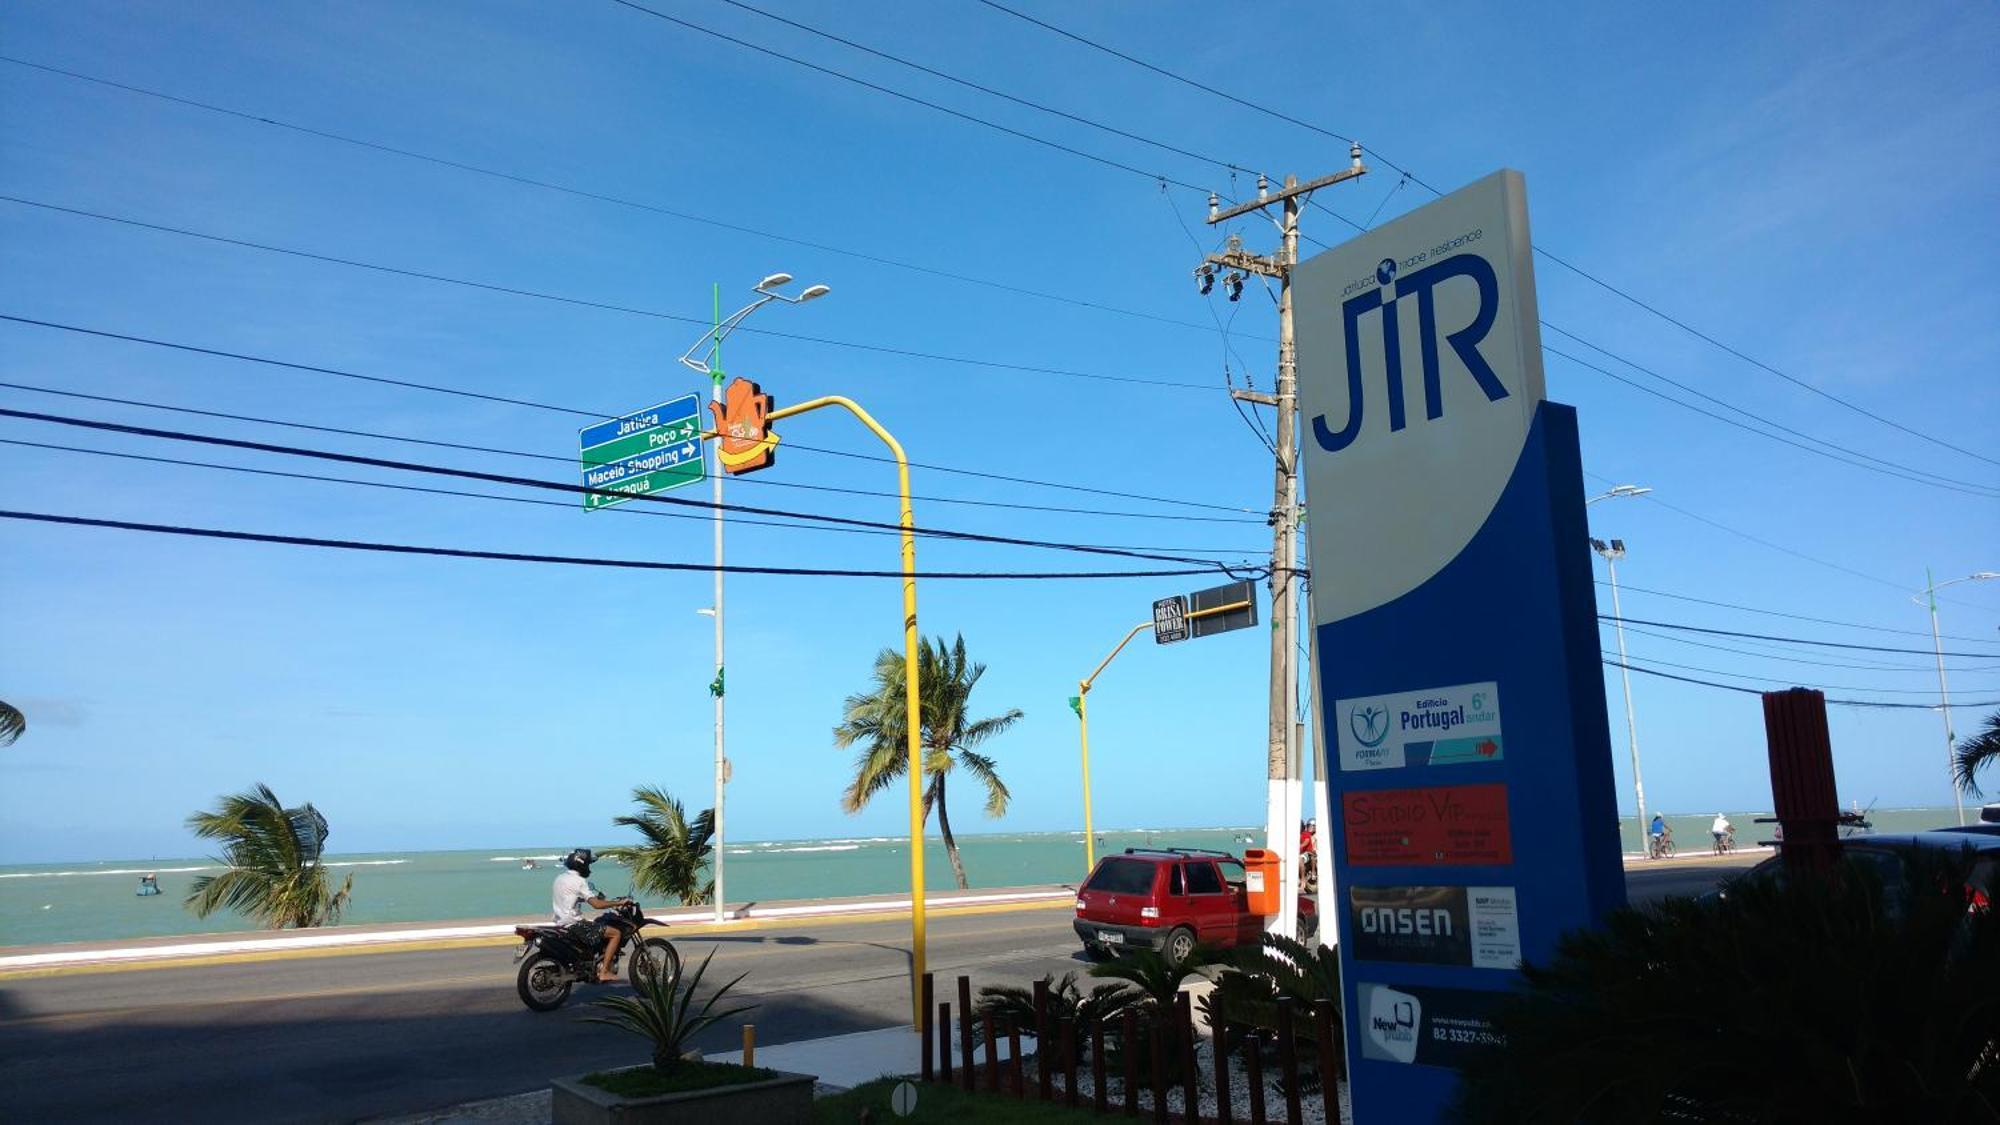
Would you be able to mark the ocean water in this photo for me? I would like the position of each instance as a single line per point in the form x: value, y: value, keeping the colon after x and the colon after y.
x: 62, y: 902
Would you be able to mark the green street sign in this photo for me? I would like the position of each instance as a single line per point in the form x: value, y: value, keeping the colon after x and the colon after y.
x: 647, y: 451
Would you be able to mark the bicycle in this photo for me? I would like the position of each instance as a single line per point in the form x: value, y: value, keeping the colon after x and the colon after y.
x: 1726, y: 842
x: 1662, y: 846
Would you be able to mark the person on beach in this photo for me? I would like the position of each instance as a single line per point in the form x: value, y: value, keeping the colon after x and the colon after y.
x: 1658, y: 831
x: 1720, y: 829
x: 572, y: 892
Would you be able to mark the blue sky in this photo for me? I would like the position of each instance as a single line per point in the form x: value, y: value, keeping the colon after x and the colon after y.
x: 1813, y: 184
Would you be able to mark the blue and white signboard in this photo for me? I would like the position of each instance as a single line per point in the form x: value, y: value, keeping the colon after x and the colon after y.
x: 1464, y: 741
x: 646, y: 451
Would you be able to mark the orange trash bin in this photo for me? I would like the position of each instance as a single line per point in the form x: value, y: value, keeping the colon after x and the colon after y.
x: 1260, y: 880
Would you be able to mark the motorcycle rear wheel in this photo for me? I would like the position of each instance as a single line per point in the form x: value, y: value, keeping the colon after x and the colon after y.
x: 543, y: 983
x: 651, y: 956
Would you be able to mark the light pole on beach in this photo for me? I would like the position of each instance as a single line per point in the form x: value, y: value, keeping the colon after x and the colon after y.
x: 1612, y: 552
x: 710, y: 364
x: 1929, y: 596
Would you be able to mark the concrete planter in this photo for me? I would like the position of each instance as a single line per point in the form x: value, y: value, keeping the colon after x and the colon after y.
x: 786, y: 1099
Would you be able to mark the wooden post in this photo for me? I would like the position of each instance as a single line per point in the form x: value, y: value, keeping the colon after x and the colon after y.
x: 1330, y: 1060
x: 1184, y: 1036
x: 966, y: 1077
x: 1128, y: 1041
x: 1218, y: 1029
x: 1045, y: 1061
x: 992, y: 1052
x: 1098, y: 1094
x: 924, y: 1033
x: 944, y: 1041
x: 1068, y: 1049
x: 1014, y: 1059
x: 1158, y: 1040
x: 1803, y: 794
x: 1288, y: 1059
x: 1254, y: 1071
x: 749, y: 1044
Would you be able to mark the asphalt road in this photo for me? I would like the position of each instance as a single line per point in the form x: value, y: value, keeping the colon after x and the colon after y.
x: 349, y: 1037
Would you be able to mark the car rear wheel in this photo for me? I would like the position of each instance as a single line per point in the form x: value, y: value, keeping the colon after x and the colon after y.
x: 1179, y: 945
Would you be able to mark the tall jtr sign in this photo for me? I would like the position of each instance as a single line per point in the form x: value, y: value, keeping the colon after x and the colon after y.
x: 1463, y: 728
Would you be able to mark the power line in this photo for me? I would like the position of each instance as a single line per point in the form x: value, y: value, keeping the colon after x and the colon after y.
x: 574, y: 560
x: 1550, y: 255
x: 1226, y: 165
x: 1786, y: 640
x: 599, y: 414
x: 1754, y: 691
x: 598, y: 196
x: 1630, y: 589
x: 572, y: 460
x: 1784, y: 656
x: 601, y: 306
x: 1706, y: 397
x: 1786, y: 680
x: 568, y: 507
x: 573, y: 489
x: 1106, y: 161
x: 1974, y: 490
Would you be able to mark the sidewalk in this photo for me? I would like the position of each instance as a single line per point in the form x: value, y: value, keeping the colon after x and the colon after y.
x: 337, y: 939
x: 840, y: 1062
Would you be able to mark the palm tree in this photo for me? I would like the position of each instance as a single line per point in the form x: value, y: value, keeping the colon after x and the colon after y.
x: 876, y: 721
x: 13, y: 724
x: 1976, y: 751
x: 273, y: 858
x: 675, y: 856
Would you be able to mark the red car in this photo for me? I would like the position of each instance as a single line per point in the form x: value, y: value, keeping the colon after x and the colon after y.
x: 1170, y: 899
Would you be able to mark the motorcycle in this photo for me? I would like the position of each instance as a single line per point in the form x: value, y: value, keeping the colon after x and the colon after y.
x: 554, y: 959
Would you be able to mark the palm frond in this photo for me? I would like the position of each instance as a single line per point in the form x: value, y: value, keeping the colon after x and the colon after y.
x: 13, y: 724
x: 1973, y: 754
x: 272, y: 856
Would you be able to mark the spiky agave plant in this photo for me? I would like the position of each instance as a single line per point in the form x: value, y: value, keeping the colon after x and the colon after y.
x: 667, y: 1014
x: 273, y: 858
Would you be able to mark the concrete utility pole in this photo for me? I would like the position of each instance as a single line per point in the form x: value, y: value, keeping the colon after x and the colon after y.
x: 1283, y: 761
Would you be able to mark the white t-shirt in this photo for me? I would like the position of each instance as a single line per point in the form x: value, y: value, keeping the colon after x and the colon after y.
x: 572, y: 891
x: 1720, y: 827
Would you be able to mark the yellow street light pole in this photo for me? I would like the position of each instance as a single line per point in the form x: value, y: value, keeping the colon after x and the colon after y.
x: 1083, y: 719
x: 913, y: 715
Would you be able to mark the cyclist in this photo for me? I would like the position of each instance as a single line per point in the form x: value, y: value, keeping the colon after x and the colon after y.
x: 1723, y: 831
x: 1658, y: 832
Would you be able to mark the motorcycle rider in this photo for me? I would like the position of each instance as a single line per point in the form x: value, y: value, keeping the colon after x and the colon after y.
x: 572, y: 892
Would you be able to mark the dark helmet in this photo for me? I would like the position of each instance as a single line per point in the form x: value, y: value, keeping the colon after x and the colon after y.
x: 579, y: 861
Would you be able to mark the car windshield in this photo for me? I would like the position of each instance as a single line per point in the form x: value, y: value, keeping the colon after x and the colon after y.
x: 1122, y: 877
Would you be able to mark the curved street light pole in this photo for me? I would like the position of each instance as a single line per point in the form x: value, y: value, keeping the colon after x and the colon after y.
x: 1931, y: 587
x: 1612, y: 552
x: 711, y: 365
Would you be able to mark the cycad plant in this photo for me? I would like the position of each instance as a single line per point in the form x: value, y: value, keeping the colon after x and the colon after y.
x: 1803, y: 998
x: 1011, y: 1005
x: 666, y: 1013
x: 674, y: 858
x: 1974, y: 753
x: 1247, y: 991
x: 273, y: 858
x: 877, y: 721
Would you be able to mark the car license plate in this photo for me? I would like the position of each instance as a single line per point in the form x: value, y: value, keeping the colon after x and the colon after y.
x: 1109, y: 937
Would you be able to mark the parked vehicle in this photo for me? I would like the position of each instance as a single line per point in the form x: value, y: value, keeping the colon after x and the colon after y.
x: 1886, y: 855
x: 555, y: 958
x: 1170, y: 899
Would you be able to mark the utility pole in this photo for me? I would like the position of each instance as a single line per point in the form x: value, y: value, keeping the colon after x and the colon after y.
x: 1283, y: 764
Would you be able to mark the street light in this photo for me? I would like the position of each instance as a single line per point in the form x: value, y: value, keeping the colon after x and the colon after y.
x: 710, y: 364
x: 1931, y: 587
x: 1612, y: 552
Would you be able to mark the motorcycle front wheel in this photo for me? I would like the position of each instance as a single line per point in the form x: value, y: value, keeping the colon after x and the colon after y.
x: 655, y: 957
x: 543, y: 983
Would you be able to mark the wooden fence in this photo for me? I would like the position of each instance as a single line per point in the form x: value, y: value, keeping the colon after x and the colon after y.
x: 1063, y: 1046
